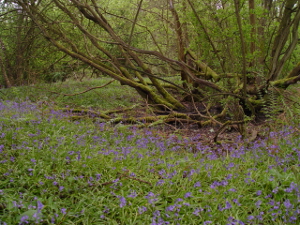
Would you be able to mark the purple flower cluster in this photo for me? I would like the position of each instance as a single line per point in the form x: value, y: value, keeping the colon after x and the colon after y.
x: 168, y: 179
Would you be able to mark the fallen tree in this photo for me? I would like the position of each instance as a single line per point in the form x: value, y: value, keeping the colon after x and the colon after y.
x: 231, y: 92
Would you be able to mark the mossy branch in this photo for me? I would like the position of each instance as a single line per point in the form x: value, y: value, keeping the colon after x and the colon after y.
x: 284, y: 83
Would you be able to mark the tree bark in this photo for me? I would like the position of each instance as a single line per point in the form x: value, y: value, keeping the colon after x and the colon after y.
x: 252, y: 19
x: 283, y: 33
x: 3, y: 66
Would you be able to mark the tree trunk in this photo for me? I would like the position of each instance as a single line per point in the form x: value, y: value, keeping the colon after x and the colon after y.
x: 283, y: 33
x: 3, y: 65
x: 252, y: 19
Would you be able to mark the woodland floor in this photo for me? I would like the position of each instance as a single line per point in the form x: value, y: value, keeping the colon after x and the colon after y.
x: 258, y: 129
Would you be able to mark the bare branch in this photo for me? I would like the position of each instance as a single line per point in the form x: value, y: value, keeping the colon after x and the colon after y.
x: 243, y: 47
x: 135, y: 20
x: 79, y: 93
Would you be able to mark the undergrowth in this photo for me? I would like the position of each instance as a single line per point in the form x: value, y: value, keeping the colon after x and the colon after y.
x: 55, y: 171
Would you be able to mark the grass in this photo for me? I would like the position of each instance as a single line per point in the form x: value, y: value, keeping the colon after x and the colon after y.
x: 111, y: 97
x: 55, y: 171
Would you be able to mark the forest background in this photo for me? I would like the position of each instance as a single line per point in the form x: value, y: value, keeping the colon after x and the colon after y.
x: 230, y: 59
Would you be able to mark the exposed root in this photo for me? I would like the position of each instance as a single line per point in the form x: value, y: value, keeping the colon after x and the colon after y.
x: 231, y: 123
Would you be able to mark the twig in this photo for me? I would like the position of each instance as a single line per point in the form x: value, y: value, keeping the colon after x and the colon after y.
x: 133, y: 178
x: 135, y: 20
x: 87, y: 89
x: 227, y: 123
x: 85, y: 111
x: 200, y: 114
x: 92, y: 88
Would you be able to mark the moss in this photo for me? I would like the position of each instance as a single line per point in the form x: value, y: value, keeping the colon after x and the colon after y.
x: 284, y: 83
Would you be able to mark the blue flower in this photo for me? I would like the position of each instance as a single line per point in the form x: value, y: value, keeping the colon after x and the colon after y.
x: 258, y: 203
x: 287, y: 204
x: 24, y: 219
x: 63, y: 211
x: 188, y: 195
x: 151, y: 197
x: 142, y: 209
x: 39, y: 206
x: 227, y: 205
x: 133, y: 194
x: 122, y: 201
x: 197, y: 184
x: 258, y: 193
